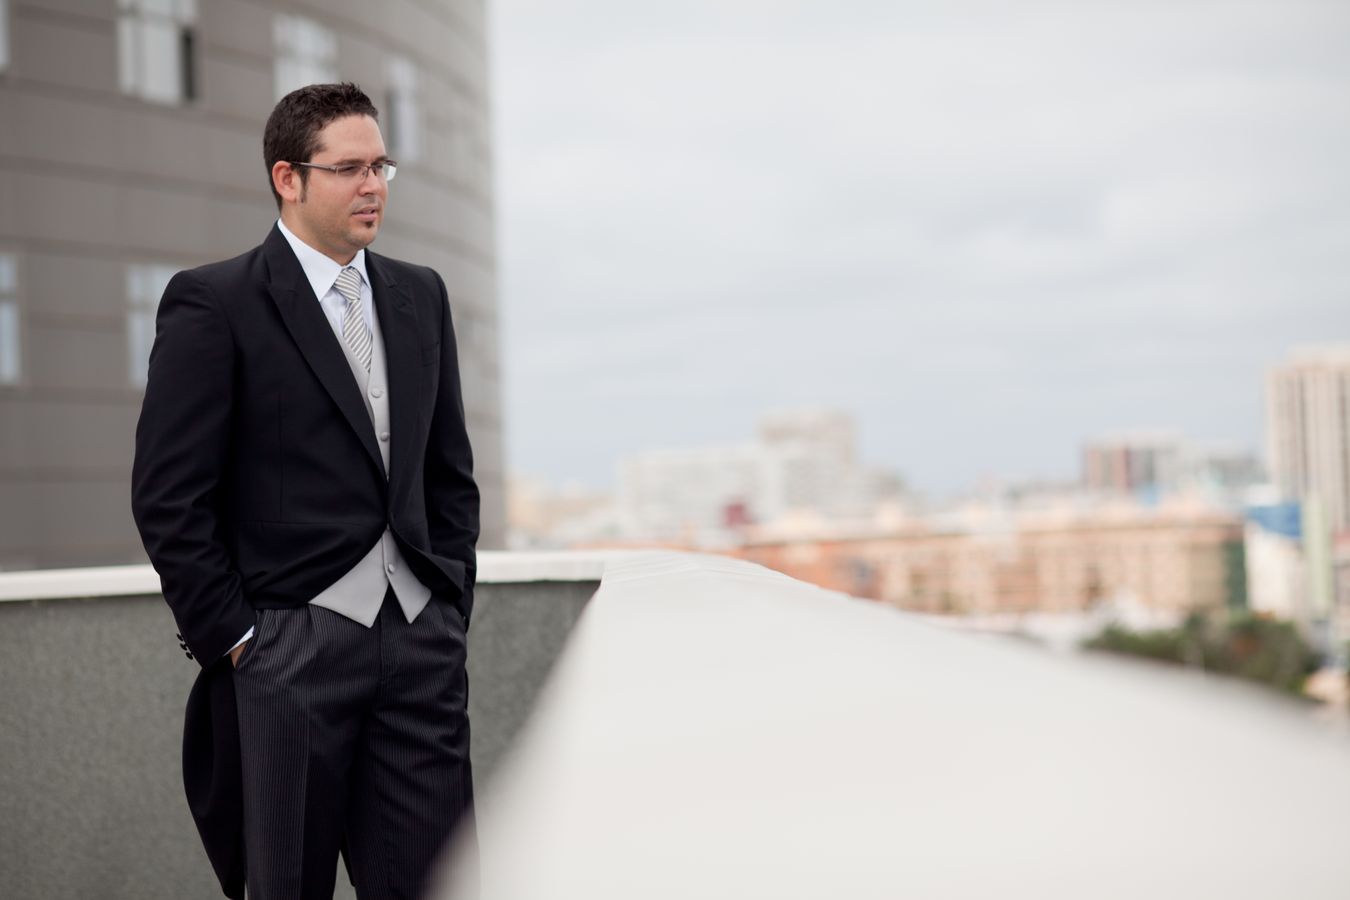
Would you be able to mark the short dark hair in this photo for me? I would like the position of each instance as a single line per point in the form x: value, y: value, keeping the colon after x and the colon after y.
x: 292, y: 131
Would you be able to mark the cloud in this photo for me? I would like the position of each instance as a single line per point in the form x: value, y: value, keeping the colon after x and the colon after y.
x: 1037, y: 221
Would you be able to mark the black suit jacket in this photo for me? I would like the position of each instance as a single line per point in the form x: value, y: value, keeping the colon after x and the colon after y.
x: 258, y: 481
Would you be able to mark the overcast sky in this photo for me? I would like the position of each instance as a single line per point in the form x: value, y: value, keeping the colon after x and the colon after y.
x: 989, y: 230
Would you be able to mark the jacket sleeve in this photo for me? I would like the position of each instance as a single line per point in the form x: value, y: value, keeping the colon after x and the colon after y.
x: 177, y: 479
x: 451, y: 492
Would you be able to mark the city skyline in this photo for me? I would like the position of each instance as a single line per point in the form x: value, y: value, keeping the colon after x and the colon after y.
x: 988, y: 234
x: 1078, y: 475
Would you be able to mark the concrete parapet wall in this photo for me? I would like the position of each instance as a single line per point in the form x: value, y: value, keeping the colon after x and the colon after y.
x: 91, y: 725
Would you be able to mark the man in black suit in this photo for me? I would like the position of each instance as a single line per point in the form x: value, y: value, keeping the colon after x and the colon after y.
x: 303, y: 485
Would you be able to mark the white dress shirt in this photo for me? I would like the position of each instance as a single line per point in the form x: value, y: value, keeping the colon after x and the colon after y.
x: 322, y: 272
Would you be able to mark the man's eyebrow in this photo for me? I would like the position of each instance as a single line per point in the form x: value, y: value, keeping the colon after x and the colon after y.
x: 355, y: 160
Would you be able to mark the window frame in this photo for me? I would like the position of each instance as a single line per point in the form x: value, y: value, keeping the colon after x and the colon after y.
x: 145, y: 283
x: 4, y: 36
x: 404, y: 110
x: 157, y: 51
x: 11, y: 312
x: 304, y: 51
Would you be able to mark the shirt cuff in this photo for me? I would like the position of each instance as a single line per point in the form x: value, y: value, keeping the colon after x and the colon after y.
x: 247, y: 637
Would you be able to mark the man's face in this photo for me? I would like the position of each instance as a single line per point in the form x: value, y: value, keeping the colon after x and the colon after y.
x: 334, y: 214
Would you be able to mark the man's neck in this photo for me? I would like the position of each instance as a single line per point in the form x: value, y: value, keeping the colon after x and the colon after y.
x: 299, y: 231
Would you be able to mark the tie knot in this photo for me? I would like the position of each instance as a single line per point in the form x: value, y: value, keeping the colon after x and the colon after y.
x: 349, y: 284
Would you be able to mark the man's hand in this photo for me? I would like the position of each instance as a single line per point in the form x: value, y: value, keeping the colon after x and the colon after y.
x: 237, y: 652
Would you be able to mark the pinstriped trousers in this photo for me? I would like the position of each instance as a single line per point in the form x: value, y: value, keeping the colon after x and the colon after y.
x: 353, y: 739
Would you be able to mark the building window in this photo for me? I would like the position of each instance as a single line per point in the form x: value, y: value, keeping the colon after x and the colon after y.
x: 157, y: 50
x: 403, y: 111
x: 11, y: 360
x: 306, y: 53
x: 145, y: 285
x: 4, y: 35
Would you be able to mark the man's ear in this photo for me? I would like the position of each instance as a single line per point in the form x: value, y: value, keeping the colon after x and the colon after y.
x: 286, y: 180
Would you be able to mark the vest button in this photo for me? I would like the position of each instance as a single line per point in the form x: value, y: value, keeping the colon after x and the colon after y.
x: 384, y: 435
x: 377, y: 393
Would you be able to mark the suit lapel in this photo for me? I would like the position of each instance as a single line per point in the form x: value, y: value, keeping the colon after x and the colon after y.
x: 402, y: 359
x: 299, y: 309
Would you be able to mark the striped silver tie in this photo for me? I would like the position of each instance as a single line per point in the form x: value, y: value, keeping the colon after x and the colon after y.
x: 354, y: 330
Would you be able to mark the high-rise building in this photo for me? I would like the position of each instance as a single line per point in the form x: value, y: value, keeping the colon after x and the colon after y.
x: 132, y: 147
x: 1308, y: 445
x: 1308, y: 430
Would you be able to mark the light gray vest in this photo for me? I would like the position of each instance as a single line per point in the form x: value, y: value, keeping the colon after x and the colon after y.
x: 358, y: 594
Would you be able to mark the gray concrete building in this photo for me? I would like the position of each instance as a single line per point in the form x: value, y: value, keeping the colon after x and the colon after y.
x: 131, y: 147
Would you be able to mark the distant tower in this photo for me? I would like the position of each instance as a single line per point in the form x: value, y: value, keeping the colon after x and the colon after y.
x: 1308, y: 430
x: 131, y: 147
x: 1308, y: 436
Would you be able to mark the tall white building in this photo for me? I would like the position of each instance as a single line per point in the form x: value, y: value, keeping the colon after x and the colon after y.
x: 804, y: 461
x: 1308, y: 429
x: 690, y: 494
x: 1308, y: 446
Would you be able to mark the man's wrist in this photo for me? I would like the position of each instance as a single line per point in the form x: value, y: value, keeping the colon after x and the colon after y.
x: 248, y: 636
x: 238, y: 649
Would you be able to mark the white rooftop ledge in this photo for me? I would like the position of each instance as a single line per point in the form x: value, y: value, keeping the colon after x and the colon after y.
x: 94, y: 581
x: 503, y: 567
x: 494, y: 567
x: 719, y: 731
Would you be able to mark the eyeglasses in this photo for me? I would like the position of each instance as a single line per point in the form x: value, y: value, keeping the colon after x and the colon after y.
x: 385, y: 169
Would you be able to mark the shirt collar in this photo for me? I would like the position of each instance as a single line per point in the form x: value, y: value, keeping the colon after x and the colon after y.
x: 320, y: 270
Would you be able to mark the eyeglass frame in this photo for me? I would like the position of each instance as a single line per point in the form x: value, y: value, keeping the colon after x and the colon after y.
x: 389, y: 165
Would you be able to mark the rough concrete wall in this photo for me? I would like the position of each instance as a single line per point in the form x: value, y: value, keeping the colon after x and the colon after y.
x: 91, y: 722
